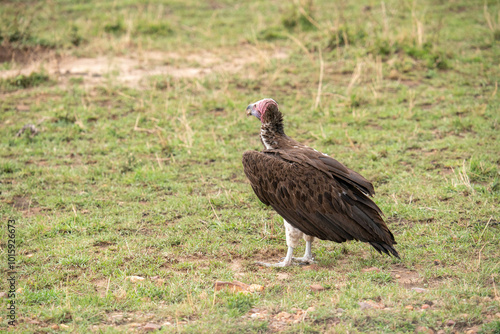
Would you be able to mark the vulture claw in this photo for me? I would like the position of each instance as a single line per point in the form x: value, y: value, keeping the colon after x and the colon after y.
x: 305, y: 260
x: 279, y: 264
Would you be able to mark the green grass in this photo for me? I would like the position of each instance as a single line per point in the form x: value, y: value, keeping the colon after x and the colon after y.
x: 146, y: 179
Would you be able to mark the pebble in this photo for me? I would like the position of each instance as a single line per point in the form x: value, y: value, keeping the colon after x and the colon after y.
x: 364, y: 305
x: 393, y: 74
x: 424, y: 330
x: 134, y: 324
x: 149, y: 327
x: 450, y: 323
x: 419, y: 290
x: 317, y: 287
x: 425, y: 306
x: 135, y: 279
x: 409, y: 307
x: 398, y: 276
x: 63, y: 326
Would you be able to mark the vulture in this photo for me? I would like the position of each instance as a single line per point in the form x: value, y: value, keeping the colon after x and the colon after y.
x: 317, y: 196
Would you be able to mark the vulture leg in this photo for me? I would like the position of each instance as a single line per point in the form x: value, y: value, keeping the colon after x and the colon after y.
x: 285, y: 263
x: 293, y: 236
x: 307, y: 258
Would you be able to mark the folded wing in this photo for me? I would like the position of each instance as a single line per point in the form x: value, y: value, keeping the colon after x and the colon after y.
x: 318, y: 195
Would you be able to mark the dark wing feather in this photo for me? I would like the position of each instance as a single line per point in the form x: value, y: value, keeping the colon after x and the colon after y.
x: 318, y: 195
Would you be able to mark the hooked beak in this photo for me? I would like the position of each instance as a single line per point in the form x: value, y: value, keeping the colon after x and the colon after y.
x: 251, y: 111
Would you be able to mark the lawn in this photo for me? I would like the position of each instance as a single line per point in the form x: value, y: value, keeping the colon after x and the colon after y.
x: 128, y: 192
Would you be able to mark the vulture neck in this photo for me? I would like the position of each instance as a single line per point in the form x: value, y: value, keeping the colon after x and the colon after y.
x: 273, y: 135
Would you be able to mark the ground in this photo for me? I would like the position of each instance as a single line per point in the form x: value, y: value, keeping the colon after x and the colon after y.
x: 127, y: 189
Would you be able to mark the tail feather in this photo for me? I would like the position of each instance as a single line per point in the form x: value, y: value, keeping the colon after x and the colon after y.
x: 385, y: 248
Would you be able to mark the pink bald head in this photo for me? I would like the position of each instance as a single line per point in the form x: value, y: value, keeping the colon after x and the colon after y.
x: 259, y: 108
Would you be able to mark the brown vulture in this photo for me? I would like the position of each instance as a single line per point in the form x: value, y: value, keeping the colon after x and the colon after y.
x: 316, y: 195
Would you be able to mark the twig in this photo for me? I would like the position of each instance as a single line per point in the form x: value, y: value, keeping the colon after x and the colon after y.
x: 216, y: 215
x: 484, y: 230
x: 309, y: 18
x: 30, y: 127
x: 479, y: 260
x: 136, y: 128
x: 355, y: 77
x: 299, y: 43
x: 495, y: 288
x: 320, y: 83
x: 350, y: 141
x: 107, y: 287
x: 159, y: 161
x: 487, y: 17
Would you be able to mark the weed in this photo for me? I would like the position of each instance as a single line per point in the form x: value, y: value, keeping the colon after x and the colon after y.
x: 25, y: 81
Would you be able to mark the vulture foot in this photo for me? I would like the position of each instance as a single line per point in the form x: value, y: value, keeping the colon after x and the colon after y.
x: 305, y: 260
x: 279, y: 264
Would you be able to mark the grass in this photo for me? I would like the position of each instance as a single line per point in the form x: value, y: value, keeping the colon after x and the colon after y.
x: 144, y: 178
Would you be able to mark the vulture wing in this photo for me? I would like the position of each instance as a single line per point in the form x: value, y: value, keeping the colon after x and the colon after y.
x: 318, y: 195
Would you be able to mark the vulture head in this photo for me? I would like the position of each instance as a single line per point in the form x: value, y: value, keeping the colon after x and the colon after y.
x: 266, y: 110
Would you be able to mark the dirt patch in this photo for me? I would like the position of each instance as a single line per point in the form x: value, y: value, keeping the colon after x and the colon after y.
x: 9, y: 53
x: 411, y: 279
x: 407, y: 278
x: 131, y: 70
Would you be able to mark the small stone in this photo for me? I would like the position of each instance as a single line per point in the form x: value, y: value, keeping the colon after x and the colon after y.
x: 393, y: 75
x: 450, y: 323
x: 167, y: 323
x: 149, y: 327
x: 317, y: 287
x: 22, y: 107
x: 368, y: 270
x: 398, y: 276
x: 419, y: 290
x: 135, y: 279
x: 117, y: 317
x: 255, y: 288
x: 364, y: 305
x: 282, y: 276
x: 54, y: 327
x: 424, y: 330
x: 134, y: 324
x: 425, y: 306
x: 20, y: 290
x: 63, y: 326
x: 409, y: 307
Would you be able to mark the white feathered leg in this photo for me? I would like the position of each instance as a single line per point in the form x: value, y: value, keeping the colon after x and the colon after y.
x: 293, y: 236
x: 307, y: 258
